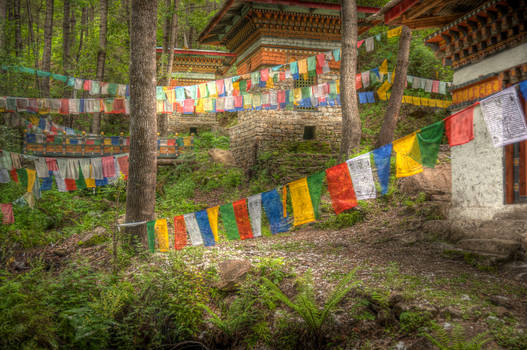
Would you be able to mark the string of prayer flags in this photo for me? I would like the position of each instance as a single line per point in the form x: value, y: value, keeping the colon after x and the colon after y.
x: 504, y: 117
x: 204, y: 226
x: 151, y: 235
x: 254, y: 204
x: 404, y: 164
x: 241, y: 214
x: 429, y: 139
x: 459, y: 127
x: 161, y: 230
x: 213, y: 221
x: 7, y: 213
x: 314, y: 183
x: 301, y: 201
x: 180, y: 232
x: 193, y: 229
x: 362, y: 177
x: 272, y: 205
x: 340, y: 188
x: 392, y: 33
x: 229, y: 221
x: 381, y: 157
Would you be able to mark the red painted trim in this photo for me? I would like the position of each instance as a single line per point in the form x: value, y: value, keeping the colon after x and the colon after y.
x: 398, y: 10
x: 202, y: 53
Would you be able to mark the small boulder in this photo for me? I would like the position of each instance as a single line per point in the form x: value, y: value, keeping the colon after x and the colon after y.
x: 222, y: 156
x: 433, y: 181
x: 232, y: 272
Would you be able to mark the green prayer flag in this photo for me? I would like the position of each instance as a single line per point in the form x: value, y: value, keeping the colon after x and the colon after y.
x: 312, y: 66
x: 373, y: 77
x: 333, y: 89
x: 80, y: 182
x: 229, y: 221
x: 22, y: 177
x: 306, y: 92
x: 112, y: 89
x: 243, y: 85
x: 60, y: 77
x: 429, y: 139
x: 314, y: 184
x: 41, y: 73
x: 151, y: 231
x: 26, y: 70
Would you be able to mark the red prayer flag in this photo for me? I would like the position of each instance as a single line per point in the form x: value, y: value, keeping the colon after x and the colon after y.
x: 7, y: 214
x: 358, y: 81
x: 180, y: 232
x: 64, y: 106
x: 118, y: 105
x: 70, y: 184
x: 123, y: 165
x: 459, y: 127
x: 86, y: 86
x: 242, y: 219
x: 108, y: 166
x: 264, y: 74
x: 282, y: 75
x: 321, y: 59
x: 14, y: 175
x: 359, y: 43
x: 340, y: 188
x: 52, y: 164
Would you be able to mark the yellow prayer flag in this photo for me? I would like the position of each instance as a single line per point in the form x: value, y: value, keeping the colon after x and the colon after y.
x: 338, y: 86
x: 170, y: 93
x: 107, y: 141
x: 383, y: 89
x: 187, y: 141
x: 203, y: 90
x: 383, y: 69
x: 416, y: 101
x: 34, y: 120
x: 31, y: 177
x: 404, y: 164
x: 207, y: 104
x: 90, y: 179
x: 162, y: 234
x: 236, y: 86
x: 213, y: 221
x: 199, y: 106
x: 297, y: 94
x: 301, y: 200
x: 270, y: 83
x: 302, y: 66
x: 394, y: 32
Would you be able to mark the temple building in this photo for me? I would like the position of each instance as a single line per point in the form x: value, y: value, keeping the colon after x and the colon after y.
x: 265, y: 33
x: 190, y: 67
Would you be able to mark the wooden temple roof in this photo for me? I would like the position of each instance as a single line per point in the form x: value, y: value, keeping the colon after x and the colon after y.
x: 233, y: 10
x: 200, y: 61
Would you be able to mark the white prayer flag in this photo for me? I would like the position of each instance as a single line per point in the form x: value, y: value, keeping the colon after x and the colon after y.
x: 255, y: 213
x: 193, y: 229
x: 362, y: 177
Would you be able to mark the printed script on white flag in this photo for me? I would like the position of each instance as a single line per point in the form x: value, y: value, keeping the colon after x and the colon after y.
x: 504, y: 117
x: 362, y: 177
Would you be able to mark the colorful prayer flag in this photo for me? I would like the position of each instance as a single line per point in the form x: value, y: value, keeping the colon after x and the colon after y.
x: 229, y: 221
x: 381, y: 157
x: 429, y: 139
x: 273, y: 210
x: 254, y: 204
x: 302, y: 206
x: 7, y: 213
x: 340, y: 188
x: 204, y: 226
x: 193, y: 229
x: 180, y: 232
x: 213, y: 221
x: 405, y: 165
x: 151, y: 231
x: 161, y: 230
x: 459, y: 127
x: 314, y: 183
x: 362, y: 177
x: 241, y: 215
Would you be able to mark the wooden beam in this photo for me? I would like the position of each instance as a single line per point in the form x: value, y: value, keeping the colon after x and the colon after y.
x: 398, y: 10
x: 418, y: 10
x: 429, y: 22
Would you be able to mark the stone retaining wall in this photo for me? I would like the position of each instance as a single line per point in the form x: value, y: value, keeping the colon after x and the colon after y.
x: 181, y: 123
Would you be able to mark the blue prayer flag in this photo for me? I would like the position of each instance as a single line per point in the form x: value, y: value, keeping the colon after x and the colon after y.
x: 204, y: 226
x: 523, y: 88
x: 274, y: 211
x: 381, y: 157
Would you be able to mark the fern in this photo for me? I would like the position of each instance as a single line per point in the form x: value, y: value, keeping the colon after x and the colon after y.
x: 456, y: 340
x: 306, y: 306
x: 237, y: 316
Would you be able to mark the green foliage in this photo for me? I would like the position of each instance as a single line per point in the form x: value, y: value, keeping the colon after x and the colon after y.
x: 305, y: 305
x: 238, y: 316
x: 342, y: 220
x: 508, y: 332
x: 412, y: 321
x: 207, y: 140
x: 455, y: 340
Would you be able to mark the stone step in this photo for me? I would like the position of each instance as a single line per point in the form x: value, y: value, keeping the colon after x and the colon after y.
x: 502, y: 247
x: 495, y: 229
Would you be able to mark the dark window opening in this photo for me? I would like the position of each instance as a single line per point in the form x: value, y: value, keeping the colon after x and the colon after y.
x: 193, y: 131
x: 309, y: 133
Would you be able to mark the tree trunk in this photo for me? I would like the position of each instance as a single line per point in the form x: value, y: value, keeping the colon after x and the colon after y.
x: 46, y: 55
x: 394, y: 104
x: 3, y: 9
x: 163, y: 119
x: 18, y: 29
x: 66, y: 38
x: 101, y: 58
x: 84, y: 20
x: 351, y: 124
x: 141, y: 189
x: 166, y: 34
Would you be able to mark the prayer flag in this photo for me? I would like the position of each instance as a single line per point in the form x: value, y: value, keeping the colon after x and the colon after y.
x: 22, y: 176
x: 504, y: 117
x: 123, y: 165
x: 314, y: 183
x: 340, y: 188
x: 274, y: 211
x: 213, y: 221
x: 193, y: 229
x: 108, y: 166
x: 394, y: 32
x: 406, y: 165
x: 284, y: 200
x: 229, y: 221
x: 151, y: 234
x: 358, y: 81
x: 429, y: 139
x: 293, y: 66
x: 383, y: 69
x: 459, y: 127
x: 336, y: 53
x: 31, y: 177
x: 312, y: 66
x: 321, y: 61
x: 301, y: 200
x: 180, y: 232
x: 254, y: 204
x: 161, y: 229
x: 242, y: 219
x: 381, y: 157
x: 370, y: 44
x: 7, y: 213
x: 204, y: 226
x: 80, y: 182
x: 362, y: 177
x: 359, y: 43
x: 365, y: 79
x: 302, y: 66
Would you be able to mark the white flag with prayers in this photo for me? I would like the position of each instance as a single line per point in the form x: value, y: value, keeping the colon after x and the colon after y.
x: 504, y: 117
x: 193, y: 229
x: 255, y: 213
x: 362, y: 176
